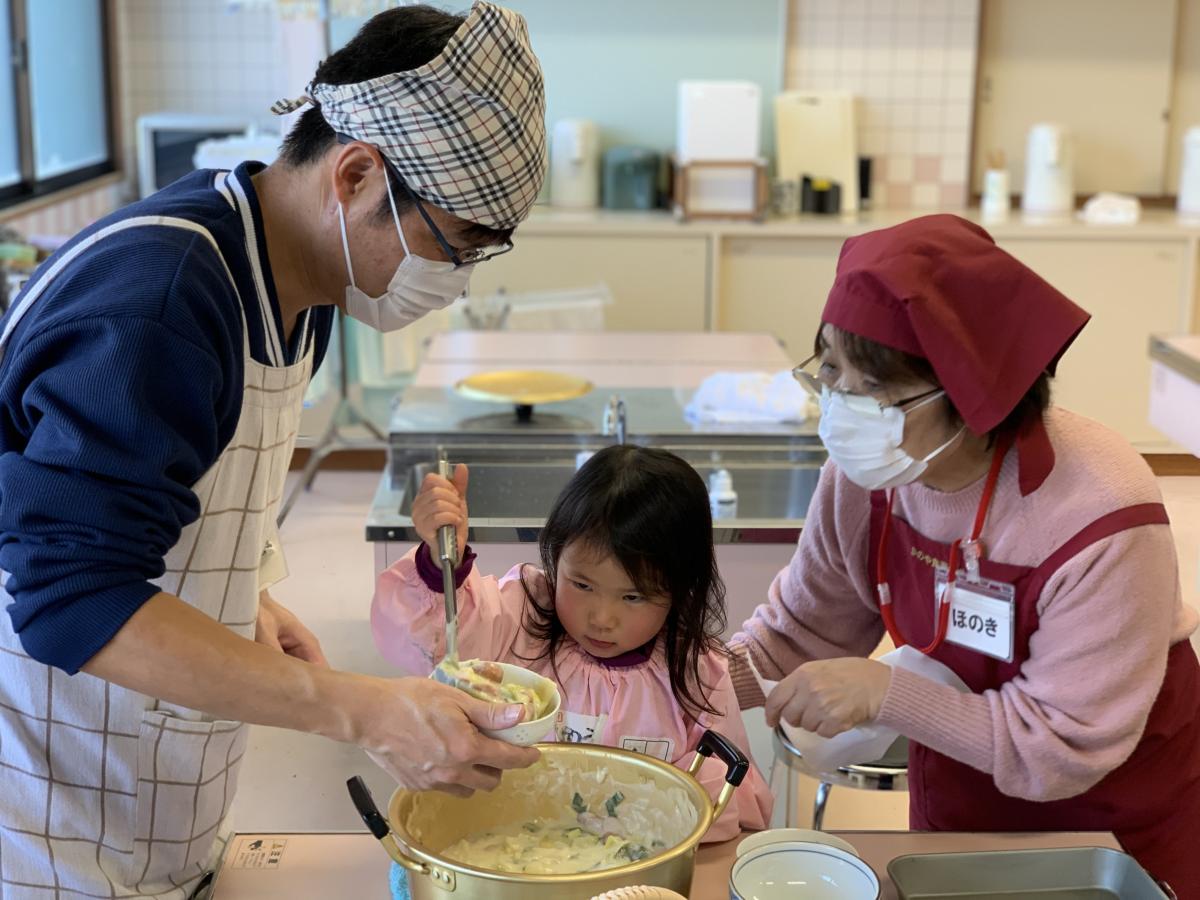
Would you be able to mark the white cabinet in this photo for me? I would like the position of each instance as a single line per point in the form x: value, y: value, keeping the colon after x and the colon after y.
x: 1102, y: 69
x: 776, y: 285
x: 659, y: 281
x: 1133, y: 289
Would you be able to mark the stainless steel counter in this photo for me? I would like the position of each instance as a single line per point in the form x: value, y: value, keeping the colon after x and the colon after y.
x: 1175, y: 388
x: 519, y: 467
x: 300, y: 866
x: 1180, y: 353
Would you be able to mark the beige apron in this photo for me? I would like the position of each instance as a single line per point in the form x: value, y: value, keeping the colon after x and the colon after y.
x: 108, y: 793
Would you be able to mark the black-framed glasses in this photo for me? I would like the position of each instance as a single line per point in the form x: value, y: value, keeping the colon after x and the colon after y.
x: 468, y: 257
x: 459, y: 258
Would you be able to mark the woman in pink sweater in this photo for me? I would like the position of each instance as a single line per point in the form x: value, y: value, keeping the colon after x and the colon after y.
x: 625, y: 614
x: 1063, y: 612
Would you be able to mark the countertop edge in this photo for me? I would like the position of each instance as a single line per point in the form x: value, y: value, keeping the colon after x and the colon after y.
x: 546, y: 221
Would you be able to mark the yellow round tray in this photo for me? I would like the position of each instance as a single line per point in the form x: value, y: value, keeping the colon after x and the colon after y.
x: 523, y: 387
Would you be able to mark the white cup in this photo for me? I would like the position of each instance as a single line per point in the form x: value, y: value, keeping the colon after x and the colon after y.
x: 995, y: 202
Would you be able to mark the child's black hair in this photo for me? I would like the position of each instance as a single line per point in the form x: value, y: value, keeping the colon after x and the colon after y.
x: 649, y: 510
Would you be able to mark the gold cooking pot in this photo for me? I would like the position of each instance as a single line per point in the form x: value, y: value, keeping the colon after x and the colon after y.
x: 420, y: 824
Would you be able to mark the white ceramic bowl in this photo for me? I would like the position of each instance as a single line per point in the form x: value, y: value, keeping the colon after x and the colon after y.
x: 524, y: 734
x: 790, y: 869
x: 804, y: 835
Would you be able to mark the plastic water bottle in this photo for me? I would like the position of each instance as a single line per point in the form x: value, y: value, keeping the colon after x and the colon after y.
x: 722, y: 498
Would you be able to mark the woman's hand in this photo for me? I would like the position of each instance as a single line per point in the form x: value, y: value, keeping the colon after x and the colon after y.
x: 441, y: 502
x: 830, y: 696
x: 278, y: 627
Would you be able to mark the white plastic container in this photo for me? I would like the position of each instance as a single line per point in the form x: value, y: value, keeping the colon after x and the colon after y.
x: 722, y: 498
x: 575, y: 164
x: 1049, y: 172
x: 994, y: 205
x: 1188, y: 203
x: 718, y: 120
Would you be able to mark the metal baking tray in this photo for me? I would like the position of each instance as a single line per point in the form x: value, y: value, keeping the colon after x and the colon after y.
x: 1091, y: 873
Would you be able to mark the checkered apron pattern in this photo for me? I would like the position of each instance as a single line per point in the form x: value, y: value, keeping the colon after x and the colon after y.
x: 467, y: 130
x: 108, y: 793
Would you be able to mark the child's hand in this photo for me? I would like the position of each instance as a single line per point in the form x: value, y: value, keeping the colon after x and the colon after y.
x: 441, y: 502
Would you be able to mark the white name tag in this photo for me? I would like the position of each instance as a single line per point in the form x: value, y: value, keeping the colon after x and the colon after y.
x: 659, y: 748
x: 577, y: 728
x: 981, y: 615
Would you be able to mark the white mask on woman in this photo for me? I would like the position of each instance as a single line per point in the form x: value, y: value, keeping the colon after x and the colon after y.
x: 419, y: 286
x: 864, y: 440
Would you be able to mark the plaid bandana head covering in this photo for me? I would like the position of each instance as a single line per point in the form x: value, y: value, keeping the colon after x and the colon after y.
x: 467, y: 130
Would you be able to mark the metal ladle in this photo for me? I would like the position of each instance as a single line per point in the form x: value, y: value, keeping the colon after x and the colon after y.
x: 448, y: 557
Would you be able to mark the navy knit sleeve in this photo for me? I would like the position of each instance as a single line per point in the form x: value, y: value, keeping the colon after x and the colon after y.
x: 108, y: 420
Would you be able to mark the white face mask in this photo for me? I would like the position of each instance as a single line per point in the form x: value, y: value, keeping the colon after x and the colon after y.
x: 419, y: 286
x: 864, y: 440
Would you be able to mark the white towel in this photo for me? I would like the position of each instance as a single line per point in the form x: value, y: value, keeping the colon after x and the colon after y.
x: 729, y: 398
x: 1107, y: 208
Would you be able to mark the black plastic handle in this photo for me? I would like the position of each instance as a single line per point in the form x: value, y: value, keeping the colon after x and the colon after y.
x: 712, y: 743
x: 365, y: 804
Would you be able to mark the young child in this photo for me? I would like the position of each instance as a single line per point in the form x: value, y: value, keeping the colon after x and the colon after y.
x: 625, y: 614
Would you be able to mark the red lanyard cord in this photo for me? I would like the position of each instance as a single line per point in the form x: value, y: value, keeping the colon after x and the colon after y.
x: 884, y: 591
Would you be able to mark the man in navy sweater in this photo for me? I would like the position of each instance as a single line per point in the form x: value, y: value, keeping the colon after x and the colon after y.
x: 151, y: 380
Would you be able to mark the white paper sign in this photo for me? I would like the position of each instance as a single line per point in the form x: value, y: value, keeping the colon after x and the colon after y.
x: 258, y: 853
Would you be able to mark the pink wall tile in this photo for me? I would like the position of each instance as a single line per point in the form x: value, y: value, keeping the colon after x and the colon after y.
x: 899, y: 196
x: 927, y: 168
x: 912, y: 65
x: 954, y: 195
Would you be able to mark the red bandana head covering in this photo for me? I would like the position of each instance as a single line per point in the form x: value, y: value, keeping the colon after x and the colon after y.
x: 939, y: 288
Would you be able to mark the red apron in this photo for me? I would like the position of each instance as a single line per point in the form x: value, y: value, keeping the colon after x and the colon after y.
x: 1151, y: 802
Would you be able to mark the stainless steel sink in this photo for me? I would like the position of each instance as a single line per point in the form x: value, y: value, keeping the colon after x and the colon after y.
x: 510, y: 497
x: 519, y: 468
x: 528, y: 490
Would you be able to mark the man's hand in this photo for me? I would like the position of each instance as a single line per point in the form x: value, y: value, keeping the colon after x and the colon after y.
x: 425, y: 735
x: 278, y: 627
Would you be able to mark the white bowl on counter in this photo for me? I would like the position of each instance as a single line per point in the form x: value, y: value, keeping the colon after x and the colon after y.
x: 785, y: 870
x: 783, y: 835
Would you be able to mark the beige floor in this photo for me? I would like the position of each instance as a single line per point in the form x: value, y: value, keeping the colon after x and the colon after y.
x: 297, y: 782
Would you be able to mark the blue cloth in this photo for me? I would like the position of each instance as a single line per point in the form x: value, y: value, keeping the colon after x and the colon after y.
x: 398, y: 882
x: 118, y: 390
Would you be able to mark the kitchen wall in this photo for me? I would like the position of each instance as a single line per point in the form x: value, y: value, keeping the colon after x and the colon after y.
x: 618, y: 63
x: 204, y: 56
x: 200, y: 56
x: 1185, y: 99
x: 67, y: 216
x: 912, y: 63
x: 1112, y: 84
